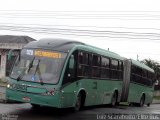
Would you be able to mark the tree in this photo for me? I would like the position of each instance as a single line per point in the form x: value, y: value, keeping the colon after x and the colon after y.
x: 154, y: 65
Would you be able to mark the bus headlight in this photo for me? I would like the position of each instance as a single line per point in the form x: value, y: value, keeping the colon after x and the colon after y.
x: 8, y: 86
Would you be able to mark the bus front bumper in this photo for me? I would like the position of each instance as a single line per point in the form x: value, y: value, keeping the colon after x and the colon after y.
x: 43, y: 100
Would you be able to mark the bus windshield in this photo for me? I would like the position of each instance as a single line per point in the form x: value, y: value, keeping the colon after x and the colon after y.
x: 39, y: 66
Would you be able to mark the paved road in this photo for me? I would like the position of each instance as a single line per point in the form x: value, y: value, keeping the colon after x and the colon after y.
x: 2, y: 93
x: 26, y: 112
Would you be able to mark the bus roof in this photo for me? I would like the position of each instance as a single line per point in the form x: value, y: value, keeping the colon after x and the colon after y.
x: 65, y: 45
x: 142, y: 65
x: 53, y: 44
x: 99, y: 51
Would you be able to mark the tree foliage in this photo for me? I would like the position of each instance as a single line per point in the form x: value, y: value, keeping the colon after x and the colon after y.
x: 154, y: 65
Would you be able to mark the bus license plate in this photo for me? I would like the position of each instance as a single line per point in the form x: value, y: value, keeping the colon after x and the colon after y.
x: 27, y: 99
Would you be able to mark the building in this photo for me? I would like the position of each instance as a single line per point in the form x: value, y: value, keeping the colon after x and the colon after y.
x: 7, y: 43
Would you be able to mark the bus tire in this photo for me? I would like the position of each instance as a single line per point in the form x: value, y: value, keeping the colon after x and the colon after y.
x: 142, y: 100
x: 78, y: 103
x: 114, y: 100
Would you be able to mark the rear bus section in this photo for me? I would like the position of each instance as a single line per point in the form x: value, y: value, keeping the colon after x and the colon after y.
x: 140, y: 88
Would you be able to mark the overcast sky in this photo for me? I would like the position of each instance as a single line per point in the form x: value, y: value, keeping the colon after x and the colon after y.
x: 127, y: 27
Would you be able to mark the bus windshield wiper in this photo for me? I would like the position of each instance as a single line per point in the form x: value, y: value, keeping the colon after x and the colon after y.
x: 39, y: 72
x: 23, y: 71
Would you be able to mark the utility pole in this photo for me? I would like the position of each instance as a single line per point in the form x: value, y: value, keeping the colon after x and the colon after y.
x: 137, y: 57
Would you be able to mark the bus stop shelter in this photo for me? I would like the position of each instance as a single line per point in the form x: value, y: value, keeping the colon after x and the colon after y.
x: 7, y: 43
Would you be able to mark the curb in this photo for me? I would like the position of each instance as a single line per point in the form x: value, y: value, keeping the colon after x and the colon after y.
x: 2, y: 94
x: 155, y: 101
x: 3, y: 86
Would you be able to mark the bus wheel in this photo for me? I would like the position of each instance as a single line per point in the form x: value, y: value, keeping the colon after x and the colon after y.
x: 114, y: 100
x: 78, y: 103
x: 141, y: 104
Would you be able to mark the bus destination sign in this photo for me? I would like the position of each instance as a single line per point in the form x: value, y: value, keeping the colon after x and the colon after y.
x: 47, y: 54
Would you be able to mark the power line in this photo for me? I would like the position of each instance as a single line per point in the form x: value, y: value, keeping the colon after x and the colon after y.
x: 63, y: 30
x: 123, y: 15
x: 77, y: 11
x: 95, y: 27
x: 76, y: 35
x: 68, y: 32
x: 84, y: 30
x: 55, y: 17
x: 81, y: 12
x: 141, y: 53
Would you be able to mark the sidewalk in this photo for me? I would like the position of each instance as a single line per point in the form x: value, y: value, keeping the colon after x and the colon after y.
x: 2, y: 94
x: 155, y: 101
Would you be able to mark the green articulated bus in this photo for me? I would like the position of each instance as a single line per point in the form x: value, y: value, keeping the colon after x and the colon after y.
x: 63, y: 73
